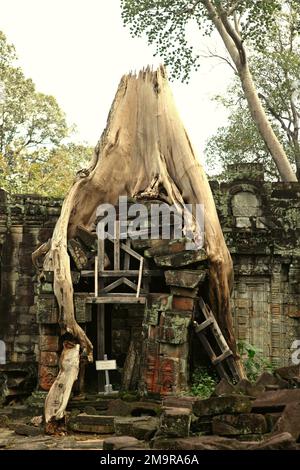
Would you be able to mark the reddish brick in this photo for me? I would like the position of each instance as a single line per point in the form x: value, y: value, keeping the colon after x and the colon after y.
x: 47, y: 375
x: 52, y: 330
x: 183, y: 303
x: 49, y: 343
x: 48, y: 358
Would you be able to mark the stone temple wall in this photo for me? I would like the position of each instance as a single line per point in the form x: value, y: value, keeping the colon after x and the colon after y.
x: 25, y: 221
x: 261, y: 223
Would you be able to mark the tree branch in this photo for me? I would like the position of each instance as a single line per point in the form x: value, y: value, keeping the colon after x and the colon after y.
x: 226, y: 37
x: 212, y: 55
x: 233, y: 34
x: 233, y: 7
x: 275, y: 114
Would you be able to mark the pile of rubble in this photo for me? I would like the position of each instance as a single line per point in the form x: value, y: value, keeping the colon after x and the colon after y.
x: 263, y: 415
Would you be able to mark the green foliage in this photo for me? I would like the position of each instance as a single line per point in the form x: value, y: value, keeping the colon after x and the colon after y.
x: 33, y: 157
x: 165, y: 24
x: 253, y: 361
x: 276, y: 72
x: 203, y: 382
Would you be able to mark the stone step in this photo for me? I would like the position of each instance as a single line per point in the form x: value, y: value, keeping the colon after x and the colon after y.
x: 230, y: 404
x: 142, y: 428
x: 95, y: 424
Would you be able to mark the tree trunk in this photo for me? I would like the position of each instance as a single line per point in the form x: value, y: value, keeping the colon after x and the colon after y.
x: 59, y: 393
x: 235, y: 47
x: 263, y: 125
x: 144, y: 141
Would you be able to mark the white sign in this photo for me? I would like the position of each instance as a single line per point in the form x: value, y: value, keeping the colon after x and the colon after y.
x: 106, y: 365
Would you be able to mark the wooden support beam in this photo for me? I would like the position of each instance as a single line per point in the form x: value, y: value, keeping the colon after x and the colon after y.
x: 127, y: 257
x: 140, y: 278
x: 222, y: 357
x: 117, y: 245
x: 204, y: 325
x: 101, y: 254
x: 101, y: 342
x: 124, y: 272
x: 96, y: 276
x: 117, y: 299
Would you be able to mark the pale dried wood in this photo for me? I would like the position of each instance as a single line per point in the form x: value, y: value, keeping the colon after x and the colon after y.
x: 59, y: 393
x: 143, y: 150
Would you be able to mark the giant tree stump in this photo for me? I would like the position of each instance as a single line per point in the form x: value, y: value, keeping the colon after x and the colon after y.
x: 144, y: 150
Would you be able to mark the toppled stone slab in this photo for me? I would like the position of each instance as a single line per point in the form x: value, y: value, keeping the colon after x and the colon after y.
x: 230, y: 404
x: 289, y: 372
x: 185, y: 278
x: 181, y: 259
x: 145, y: 430
x: 283, y: 441
x: 175, y: 422
x: 289, y: 421
x: 244, y: 423
x: 201, y: 425
x: 120, y: 407
x: 27, y: 430
x: 224, y: 388
x: 245, y: 387
x: 179, y: 402
x: 95, y: 424
x: 275, y: 400
x: 167, y: 248
x: 119, y: 442
x: 142, y: 428
x: 267, y: 379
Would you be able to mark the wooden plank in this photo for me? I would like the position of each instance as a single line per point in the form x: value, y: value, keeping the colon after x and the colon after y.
x: 126, y: 248
x: 117, y: 283
x: 125, y: 273
x: 117, y: 245
x: 112, y: 286
x: 130, y: 284
x: 140, y: 278
x: 232, y: 367
x: 96, y: 276
x: 100, y: 343
x: 127, y: 257
x: 222, y: 373
x: 205, y: 343
x: 215, y: 327
x: 130, y: 251
x: 101, y: 254
x: 117, y: 299
x: 222, y: 357
x: 146, y: 280
x: 205, y: 324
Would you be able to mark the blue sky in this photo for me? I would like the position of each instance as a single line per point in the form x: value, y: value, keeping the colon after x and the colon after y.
x: 77, y: 50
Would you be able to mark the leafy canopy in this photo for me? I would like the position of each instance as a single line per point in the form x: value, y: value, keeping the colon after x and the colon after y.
x: 276, y: 71
x: 165, y: 24
x: 33, y: 129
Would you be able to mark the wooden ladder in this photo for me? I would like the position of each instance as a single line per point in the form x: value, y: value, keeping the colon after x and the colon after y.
x: 226, y: 354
